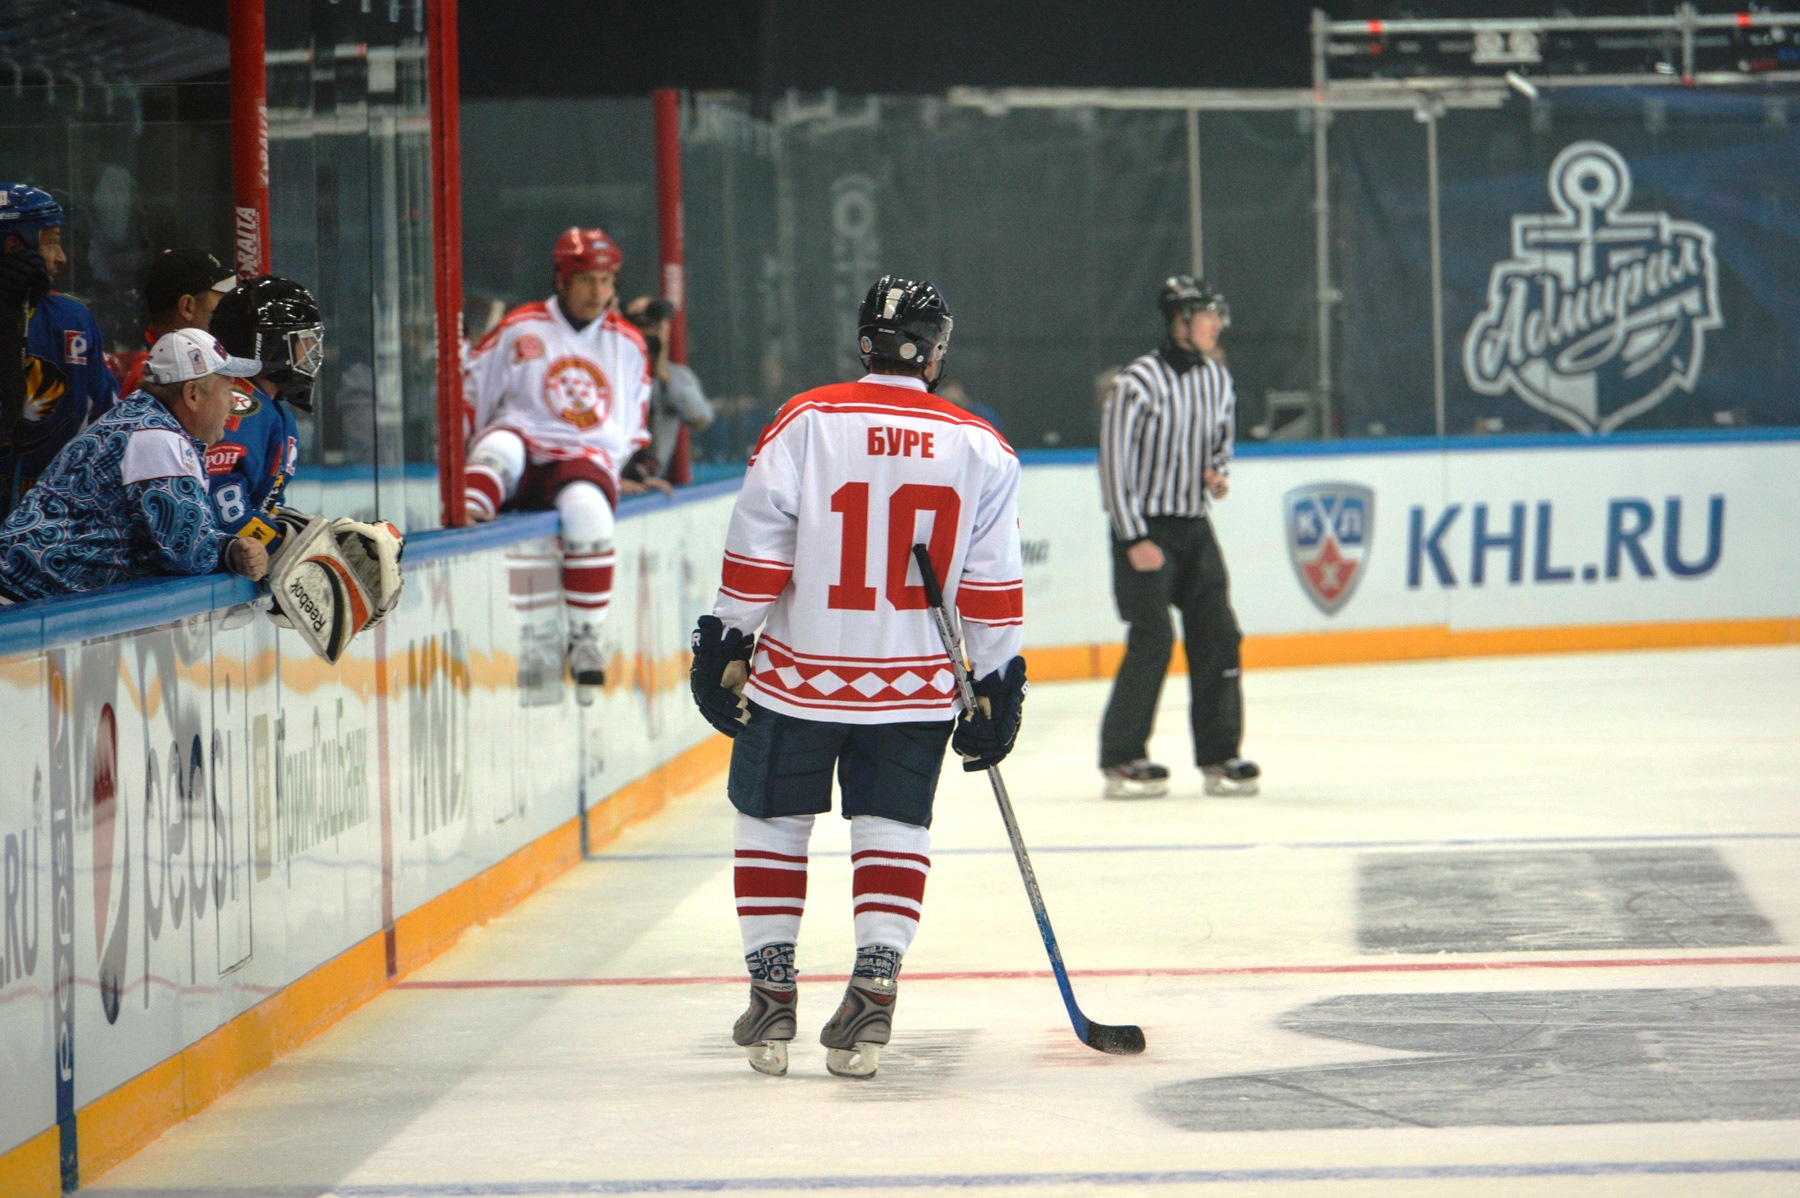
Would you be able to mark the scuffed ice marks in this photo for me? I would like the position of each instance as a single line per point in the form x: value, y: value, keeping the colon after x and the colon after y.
x: 1538, y: 900
x: 1540, y: 1059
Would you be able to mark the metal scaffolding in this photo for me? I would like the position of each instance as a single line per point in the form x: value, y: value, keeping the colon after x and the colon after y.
x: 1495, y: 59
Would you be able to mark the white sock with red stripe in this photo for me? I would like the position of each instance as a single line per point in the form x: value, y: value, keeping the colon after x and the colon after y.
x: 496, y: 463
x: 891, y: 862
x: 770, y: 878
x: 587, y: 548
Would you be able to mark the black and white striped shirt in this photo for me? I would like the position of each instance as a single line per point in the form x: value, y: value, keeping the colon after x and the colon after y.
x: 1160, y: 429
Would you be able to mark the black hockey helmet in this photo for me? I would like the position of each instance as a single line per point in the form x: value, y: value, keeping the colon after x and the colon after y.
x: 277, y: 322
x: 1184, y: 295
x: 904, y: 321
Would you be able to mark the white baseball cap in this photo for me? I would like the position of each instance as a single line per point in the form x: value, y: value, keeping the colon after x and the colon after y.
x: 193, y: 354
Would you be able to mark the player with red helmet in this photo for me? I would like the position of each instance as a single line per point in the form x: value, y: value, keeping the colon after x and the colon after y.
x: 559, y: 394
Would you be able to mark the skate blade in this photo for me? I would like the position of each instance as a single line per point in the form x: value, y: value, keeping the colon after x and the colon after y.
x: 1124, y: 788
x: 1226, y: 788
x: 857, y: 1061
x: 768, y: 1056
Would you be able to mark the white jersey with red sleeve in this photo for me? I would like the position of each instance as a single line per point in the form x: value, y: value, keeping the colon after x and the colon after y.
x: 819, y: 555
x: 567, y: 392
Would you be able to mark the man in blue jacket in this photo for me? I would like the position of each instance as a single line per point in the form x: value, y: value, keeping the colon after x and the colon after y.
x: 127, y: 498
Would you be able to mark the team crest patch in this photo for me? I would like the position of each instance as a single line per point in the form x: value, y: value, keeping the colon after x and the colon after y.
x: 577, y: 391
x: 244, y: 403
x: 1329, y: 526
x: 75, y: 347
x: 1601, y: 312
x: 527, y: 347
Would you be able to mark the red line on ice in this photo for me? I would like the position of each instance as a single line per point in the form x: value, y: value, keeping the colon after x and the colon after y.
x: 1178, y: 972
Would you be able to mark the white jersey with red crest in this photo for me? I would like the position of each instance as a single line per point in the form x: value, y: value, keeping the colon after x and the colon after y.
x: 819, y: 554
x: 568, y: 392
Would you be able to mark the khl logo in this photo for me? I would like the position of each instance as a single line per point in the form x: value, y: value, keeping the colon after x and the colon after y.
x: 1601, y: 312
x: 1328, y: 531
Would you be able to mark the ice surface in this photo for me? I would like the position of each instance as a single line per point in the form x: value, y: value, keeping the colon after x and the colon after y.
x: 1493, y: 927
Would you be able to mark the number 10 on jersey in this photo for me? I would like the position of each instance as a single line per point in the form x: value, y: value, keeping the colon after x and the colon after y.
x: 852, y: 592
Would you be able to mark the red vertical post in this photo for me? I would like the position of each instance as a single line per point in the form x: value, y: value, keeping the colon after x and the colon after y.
x: 446, y: 236
x: 666, y: 106
x: 249, y: 139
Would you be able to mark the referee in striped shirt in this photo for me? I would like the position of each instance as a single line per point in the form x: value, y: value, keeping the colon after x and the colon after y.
x: 1165, y: 448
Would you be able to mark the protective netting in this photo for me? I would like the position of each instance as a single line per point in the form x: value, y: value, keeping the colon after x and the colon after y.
x: 1050, y: 229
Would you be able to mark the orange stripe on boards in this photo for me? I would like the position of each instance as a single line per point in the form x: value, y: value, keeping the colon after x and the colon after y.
x: 1428, y: 641
x: 34, y: 1168
x: 118, y: 1123
x: 122, y: 1121
x: 647, y: 795
x: 427, y: 930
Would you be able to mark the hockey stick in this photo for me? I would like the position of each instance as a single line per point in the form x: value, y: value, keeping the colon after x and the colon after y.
x: 1119, y: 1039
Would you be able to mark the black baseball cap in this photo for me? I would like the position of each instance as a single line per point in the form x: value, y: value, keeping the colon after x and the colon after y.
x: 175, y: 273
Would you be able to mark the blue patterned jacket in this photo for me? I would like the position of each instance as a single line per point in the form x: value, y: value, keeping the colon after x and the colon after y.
x: 126, y: 499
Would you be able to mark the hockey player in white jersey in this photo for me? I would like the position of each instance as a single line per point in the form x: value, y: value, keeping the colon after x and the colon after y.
x: 849, y: 675
x: 560, y: 395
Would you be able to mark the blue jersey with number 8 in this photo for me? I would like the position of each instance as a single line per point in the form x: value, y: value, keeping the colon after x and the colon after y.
x: 249, y: 467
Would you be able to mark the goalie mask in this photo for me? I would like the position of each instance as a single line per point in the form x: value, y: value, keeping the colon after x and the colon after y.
x: 277, y: 322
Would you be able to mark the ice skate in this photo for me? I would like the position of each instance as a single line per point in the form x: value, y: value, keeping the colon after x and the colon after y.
x: 863, y: 1022
x: 586, y: 666
x: 1140, y: 779
x: 765, y: 1028
x: 1234, y: 776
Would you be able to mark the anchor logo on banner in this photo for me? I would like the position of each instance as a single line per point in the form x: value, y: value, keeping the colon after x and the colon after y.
x: 1601, y: 312
x: 1328, y: 530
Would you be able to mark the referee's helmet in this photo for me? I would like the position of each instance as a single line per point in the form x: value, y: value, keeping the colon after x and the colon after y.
x: 1184, y: 295
x: 904, y: 321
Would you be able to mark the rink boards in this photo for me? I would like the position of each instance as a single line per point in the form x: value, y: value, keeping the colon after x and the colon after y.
x: 212, y: 845
x: 1390, y: 550
x: 196, y: 816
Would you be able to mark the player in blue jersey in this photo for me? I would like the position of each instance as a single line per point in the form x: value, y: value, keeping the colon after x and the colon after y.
x: 67, y: 382
x: 274, y: 321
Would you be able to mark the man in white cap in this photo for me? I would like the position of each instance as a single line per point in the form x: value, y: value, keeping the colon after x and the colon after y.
x: 127, y: 498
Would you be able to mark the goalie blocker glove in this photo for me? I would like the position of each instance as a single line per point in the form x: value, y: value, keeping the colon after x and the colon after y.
x: 985, y: 736
x: 373, y: 551
x: 717, y: 677
x: 331, y: 579
x: 316, y: 592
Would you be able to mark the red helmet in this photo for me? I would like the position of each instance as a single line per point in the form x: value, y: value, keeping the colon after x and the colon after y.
x: 579, y: 250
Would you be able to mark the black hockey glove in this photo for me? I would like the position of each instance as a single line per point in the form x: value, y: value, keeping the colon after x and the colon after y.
x: 717, y: 677
x: 983, y: 738
x: 23, y: 278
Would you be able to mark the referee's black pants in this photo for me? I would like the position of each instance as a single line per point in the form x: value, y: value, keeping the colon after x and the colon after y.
x: 1194, y: 582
